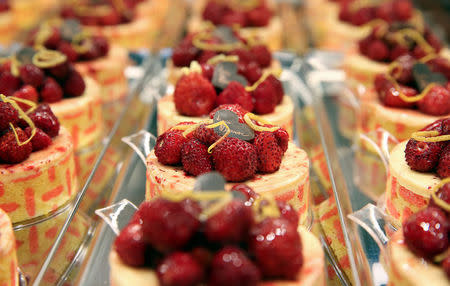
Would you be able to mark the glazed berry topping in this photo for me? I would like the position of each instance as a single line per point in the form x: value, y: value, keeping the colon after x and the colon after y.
x: 131, y: 246
x: 44, y: 119
x: 436, y: 102
x: 74, y: 85
x: 51, y: 91
x: 422, y: 156
x: 32, y: 75
x: 426, y: 232
x: 205, y: 135
x: 161, y: 216
x: 8, y: 83
x: 278, y: 87
x: 194, y: 95
x: 231, y: 224
x: 40, y: 140
x: 8, y: 114
x: 235, y: 93
x: 252, y: 72
x: 282, y: 138
x: 180, y: 269
x: 231, y: 266
x: 269, y: 152
x: 183, y: 55
x: 10, y: 151
x: 168, y: 147
x: 277, y: 247
x: 242, y: 153
x: 265, y: 101
x: 27, y: 92
x: 262, y: 55
x: 195, y: 157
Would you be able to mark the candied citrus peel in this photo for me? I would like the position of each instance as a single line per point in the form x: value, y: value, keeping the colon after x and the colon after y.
x: 405, y: 98
x: 265, y: 207
x: 48, y: 58
x: 249, y: 117
x: 44, y: 32
x: 100, y: 10
x: 193, y: 67
x: 276, y: 72
x: 15, y: 66
x: 222, y: 58
x: 429, y: 136
x: 428, y: 57
x: 382, y: 26
x: 416, y: 37
x: 244, y: 4
x: 81, y: 42
x: 441, y: 203
x: 356, y: 5
x: 214, y: 125
x: 13, y: 101
x: 200, y: 39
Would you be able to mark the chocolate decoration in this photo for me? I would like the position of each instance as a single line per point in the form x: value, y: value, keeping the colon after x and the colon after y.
x: 25, y: 55
x: 225, y: 34
x: 424, y: 76
x: 237, y: 130
x: 212, y: 181
x: 70, y: 28
x: 226, y: 72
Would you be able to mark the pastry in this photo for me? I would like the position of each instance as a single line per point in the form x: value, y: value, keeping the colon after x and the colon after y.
x: 198, y: 93
x: 415, y: 167
x: 9, y: 275
x: 8, y: 27
x: 37, y: 176
x: 256, y: 19
x: 286, y: 177
x: 294, y: 257
x: 28, y: 12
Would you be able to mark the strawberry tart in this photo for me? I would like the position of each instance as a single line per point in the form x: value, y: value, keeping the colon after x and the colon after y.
x: 9, y: 275
x: 93, y: 56
x: 211, y: 248
x: 421, y: 246
x: 260, y: 156
x: 7, y: 24
x: 206, y: 87
x: 37, y: 169
x: 119, y: 21
x: 252, y: 55
x: 47, y: 76
x: 415, y: 167
x: 256, y: 18
x: 413, y: 94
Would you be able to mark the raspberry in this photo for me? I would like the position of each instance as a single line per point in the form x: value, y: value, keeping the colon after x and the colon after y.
x: 180, y: 269
x: 131, y: 246
x: 230, y: 266
x: 252, y: 72
x: 27, y: 92
x: 402, y: 9
x: 10, y: 151
x: 422, y: 156
x: 8, y: 83
x: 443, y: 193
x: 269, y: 152
x: 282, y: 138
x: 265, y: 98
x: 60, y: 71
x: 246, y: 191
x: 245, y: 56
x: 397, y: 52
x: 277, y: 247
x: 44, y: 119
x: 67, y: 49
x: 239, y: 110
x: 8, y: 114
x: 102, y: 45
x: 231, y: 224
x: 405, y: 75
x: 194, y: 95
x: 40, y: 140
x: 235, y: 93
x: 205, y: 135
x: 195, y: 158
x: 443, y: 167
x: 161, y: 216
x: 213, y: 12
x: 183, y: 55
x: 389, y: 95
x: 234, y: 18
x: 31, y: 74
x: 377, y: 50
x: 207, y: 71
x: 288, y: 213
x: 168, y: 147
x: 446, y: 266
x: 436, y: 102
x: 235, y: 159
x: 51, y: 91
x: 259, y: 17
x: 426, y: 232
x: 262, y: 55
x: 278, y: 87
x: 205, y: 56
x: 74, y: 85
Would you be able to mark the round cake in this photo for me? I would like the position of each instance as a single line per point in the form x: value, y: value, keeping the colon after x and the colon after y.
x: 9, y: 275
x: 40, y: 184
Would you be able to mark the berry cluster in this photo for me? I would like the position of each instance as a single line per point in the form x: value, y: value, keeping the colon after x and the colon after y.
x: 237, y: 160
x: 46, y: 124
x: 231, y: 247
x: 430, y: 156
x: 223, y: 14
x: 36, y: 84
x: 196, y: 96
x: 437, y: 100
x: 427, y: 231
x: 95, y: 46
x: 391, y: 11
x: 251, y: 59
x: 385, y: 47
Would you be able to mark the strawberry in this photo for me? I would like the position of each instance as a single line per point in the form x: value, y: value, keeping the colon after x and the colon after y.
x: 436, y: 102
x: 443, y: 167
x: 74, y: 84
x: 131, y: 246
x: 422, y: 156
x: 389, y: 95
x: 234, y: 18
x: 168, y: 147
x: 269, y: 152
x: 31, y: 74
x: 282, y: 138
x: 278, y: 87
x: 51, y: 91
x: 235, y: 93
x: 195, y: 157
x: 40, y: 140
x: 251, y: 71
x: 67, y: 49
x: 235, y: 159
x: 262, y: 55
x: 213, y: 12
x: 259, y: 16
x: 44, y: 119
x: 27, y: 92
x: 377, y: 50
x: 194, y: 95
x: 10, y: 151
x: 205, y: 135
x: 404, y: 76
x: 8, y: 83
x: 205, y: 56
x: 183, y: 55
x: 8, y: 114
x: 236, y: 108
x: 180, y: 269
x: 265, y: 98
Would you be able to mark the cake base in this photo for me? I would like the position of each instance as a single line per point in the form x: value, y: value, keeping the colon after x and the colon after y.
x: 8, y: 28
x: 9, y: 275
